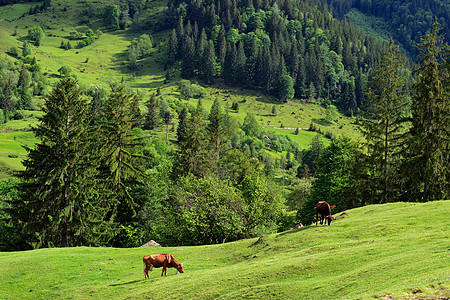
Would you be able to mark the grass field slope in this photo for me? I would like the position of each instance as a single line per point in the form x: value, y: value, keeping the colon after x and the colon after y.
x: 389, y: 251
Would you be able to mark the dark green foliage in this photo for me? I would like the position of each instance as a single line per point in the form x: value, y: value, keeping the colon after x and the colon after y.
x: 182, y: 123
x: 14, y: 51
x: 98, y: 100
x: 208, y: 63
x: 11, y: 237
x: 191, y: 156
x: 429, y: 147
x: 188, y: 62
x: 334, y: 179
x: 88, y: 40
x: 173, y: 47
x: 217, y: 135
x: 64, y: 71
x: 36, y: 34
x: 251, y: 46
x: 58, y: 205
x: 35, y: 9
x: 111, y: 17
x: 384, y: 125
x: 152, y: 116
x: 24, y: 79
x: 408, y: 19
x: 120, y: 147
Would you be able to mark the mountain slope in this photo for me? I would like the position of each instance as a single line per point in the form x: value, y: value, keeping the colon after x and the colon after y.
x: 406, y: 20
x: 390, y: 251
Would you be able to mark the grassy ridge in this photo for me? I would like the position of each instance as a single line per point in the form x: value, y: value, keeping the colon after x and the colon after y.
x: 395, y: 250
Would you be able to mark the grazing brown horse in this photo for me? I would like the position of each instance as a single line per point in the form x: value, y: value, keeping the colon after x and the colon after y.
x: 163, y: 260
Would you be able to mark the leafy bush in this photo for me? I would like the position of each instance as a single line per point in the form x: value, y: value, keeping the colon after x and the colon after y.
x: 36, y: 34
x: 208, y: 210
x: 14, y: 51
x: 26, y: 49
x: 130, y: 236
x: 191, y: 90
x: 75, y: 35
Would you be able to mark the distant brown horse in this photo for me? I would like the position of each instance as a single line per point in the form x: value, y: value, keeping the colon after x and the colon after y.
x: 323, y: 210
x: 163, y: 260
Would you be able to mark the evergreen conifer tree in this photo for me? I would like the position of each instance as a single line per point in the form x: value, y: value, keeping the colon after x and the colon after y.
x: 191, y: 157
x: 384, y: 125
x: 120, y: 151
x: 188, y: 60
x: 431, y: 121
x: 152, y: 117
x: 216, y: 134
x: 60, y: 203
x: 182, y: 123
x: 208, y: 63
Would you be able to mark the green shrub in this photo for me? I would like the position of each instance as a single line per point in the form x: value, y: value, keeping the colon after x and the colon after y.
x: 14, y: 51
x: 26, y: 49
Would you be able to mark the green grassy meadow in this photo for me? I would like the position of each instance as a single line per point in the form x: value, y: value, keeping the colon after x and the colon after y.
x: 389, y: 251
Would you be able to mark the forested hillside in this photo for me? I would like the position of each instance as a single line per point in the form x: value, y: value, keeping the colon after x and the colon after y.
x: 285, y: 48
x: 407, y: 20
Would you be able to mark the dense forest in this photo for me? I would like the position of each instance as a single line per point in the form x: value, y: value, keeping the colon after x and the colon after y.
x: 409, y: 20
x: 100, y: 175
x: 285, y: 48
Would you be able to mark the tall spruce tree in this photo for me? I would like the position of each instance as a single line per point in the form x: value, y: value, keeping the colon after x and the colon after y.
x: 120, y: 152
x: 191, y: 157
x: 217, y: 134
x: 384, y: 125
x: 152, y: 119
x: 221, y: 46
x: 173, y: 47
x: 188, y: 62
x: 59, y: 203
x: 431, y: 120
x: 208, y: 63
x: 182, y: 123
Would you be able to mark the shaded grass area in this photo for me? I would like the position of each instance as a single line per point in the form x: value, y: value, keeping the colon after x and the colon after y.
x: 397, y: 250
x: 15, y: 11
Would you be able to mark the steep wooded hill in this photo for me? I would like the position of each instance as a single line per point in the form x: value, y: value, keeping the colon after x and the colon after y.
x: 283, y: 47
x: 407, y: 20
